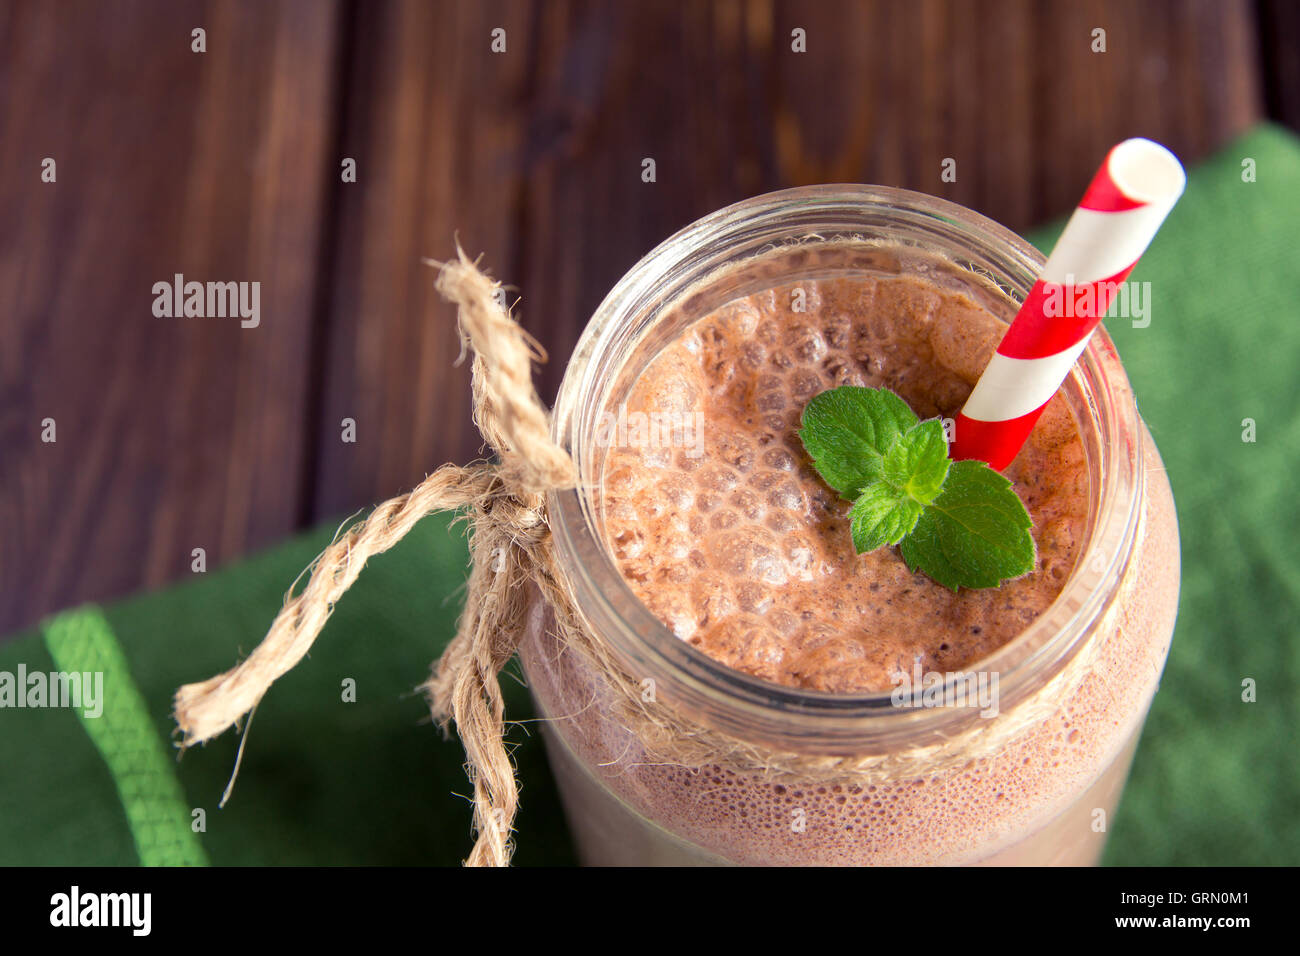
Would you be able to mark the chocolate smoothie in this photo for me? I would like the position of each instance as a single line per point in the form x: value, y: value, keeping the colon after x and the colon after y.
x: 738, y: 547
x: 744, y: 552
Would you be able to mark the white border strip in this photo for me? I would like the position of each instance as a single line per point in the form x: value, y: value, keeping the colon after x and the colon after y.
x: 1011, y: 387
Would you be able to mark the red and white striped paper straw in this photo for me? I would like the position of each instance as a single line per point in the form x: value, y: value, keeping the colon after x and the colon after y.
x: 1127, y: 201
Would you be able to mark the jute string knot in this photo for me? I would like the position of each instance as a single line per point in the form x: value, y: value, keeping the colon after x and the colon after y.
x: 508, y: 538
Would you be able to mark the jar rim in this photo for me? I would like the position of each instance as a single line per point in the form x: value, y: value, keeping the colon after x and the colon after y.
x: 756, y: 709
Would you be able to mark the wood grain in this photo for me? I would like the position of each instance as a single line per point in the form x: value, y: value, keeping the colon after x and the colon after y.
x: 434, y: 120
x: 172, y: 434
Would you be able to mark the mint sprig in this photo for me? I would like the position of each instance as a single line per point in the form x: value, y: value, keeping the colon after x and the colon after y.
x: 961, y: 522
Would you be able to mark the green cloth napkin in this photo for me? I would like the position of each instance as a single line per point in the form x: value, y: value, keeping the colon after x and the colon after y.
x: 329, y: 781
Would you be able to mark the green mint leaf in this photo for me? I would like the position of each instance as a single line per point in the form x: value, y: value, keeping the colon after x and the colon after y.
x: 975, y: 534
x: 848, y: 431
x: 917, y: 463
x: 959, y: 522
x: 882, y: 515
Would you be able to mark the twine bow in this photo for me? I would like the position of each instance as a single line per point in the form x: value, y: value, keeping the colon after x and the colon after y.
x: 509, y: 546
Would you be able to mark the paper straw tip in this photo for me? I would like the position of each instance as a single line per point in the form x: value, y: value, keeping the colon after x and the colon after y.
x: 1146, y: 172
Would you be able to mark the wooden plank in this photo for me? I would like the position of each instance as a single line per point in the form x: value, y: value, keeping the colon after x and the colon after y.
x: 435, y: 121
x: 678, y: 84
x: 172, y: 433
x: 1279, y: 35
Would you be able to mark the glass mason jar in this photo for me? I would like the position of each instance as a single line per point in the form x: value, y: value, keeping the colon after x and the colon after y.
x: 1047, y: 793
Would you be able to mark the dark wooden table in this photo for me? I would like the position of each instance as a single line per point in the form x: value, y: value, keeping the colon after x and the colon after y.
x: 181, y: 433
